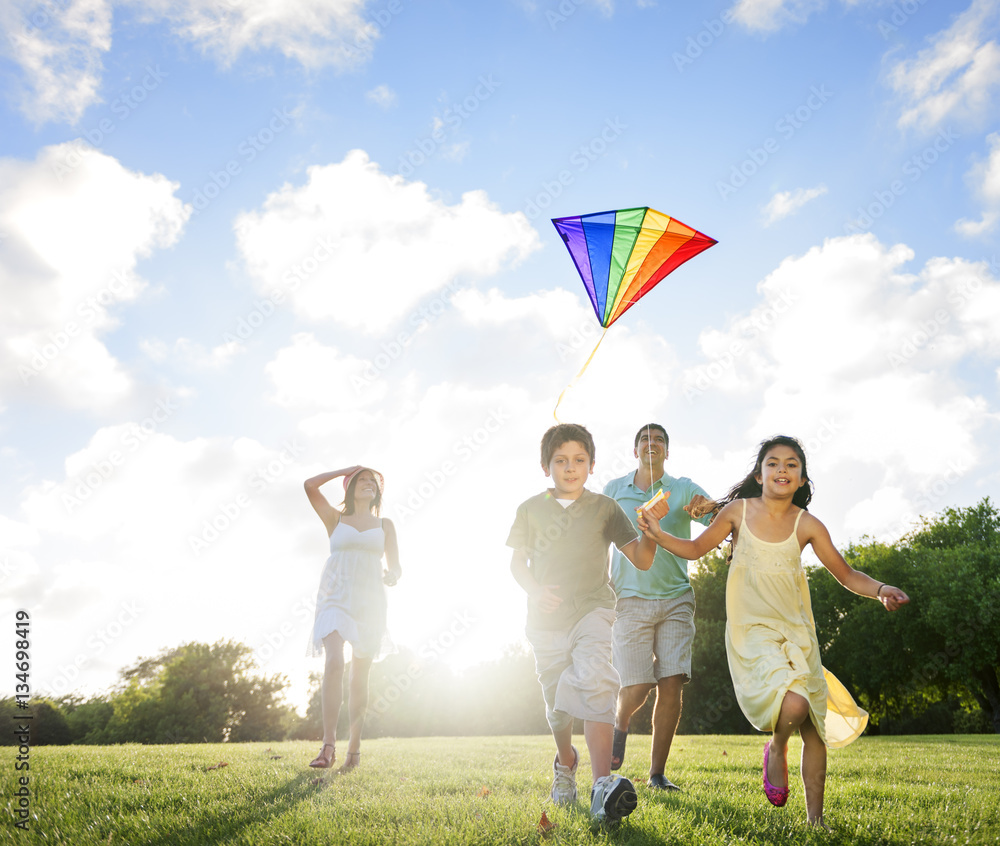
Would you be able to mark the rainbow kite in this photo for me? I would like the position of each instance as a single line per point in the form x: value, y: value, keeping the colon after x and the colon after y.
x: 622, y: 255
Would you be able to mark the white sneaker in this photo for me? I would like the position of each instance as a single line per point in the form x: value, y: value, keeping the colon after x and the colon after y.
x: 612, y: 798
x: 564, y: 781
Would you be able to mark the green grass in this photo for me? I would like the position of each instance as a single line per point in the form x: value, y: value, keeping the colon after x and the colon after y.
x: 492, y: 791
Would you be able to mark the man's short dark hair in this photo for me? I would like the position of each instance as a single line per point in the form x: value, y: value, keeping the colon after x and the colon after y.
x: 657, y: 426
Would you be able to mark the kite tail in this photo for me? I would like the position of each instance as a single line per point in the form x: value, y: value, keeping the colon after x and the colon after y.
x: 555, y: 411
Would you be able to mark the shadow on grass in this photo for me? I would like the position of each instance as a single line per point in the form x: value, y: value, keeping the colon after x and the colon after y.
x: 229, y: 823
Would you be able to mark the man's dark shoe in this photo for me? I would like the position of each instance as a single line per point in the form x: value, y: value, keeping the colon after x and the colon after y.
x: 661, y: 782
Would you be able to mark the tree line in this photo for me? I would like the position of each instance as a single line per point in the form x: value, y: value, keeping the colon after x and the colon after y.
x: 933, y: 667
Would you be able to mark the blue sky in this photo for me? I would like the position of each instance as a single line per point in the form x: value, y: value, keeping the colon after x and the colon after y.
x: 245, y: 241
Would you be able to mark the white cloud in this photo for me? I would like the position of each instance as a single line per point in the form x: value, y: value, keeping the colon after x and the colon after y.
x: 59, y: 49
x: 362, y: 248
x: 192, y: 354
x: 784, y: 203
x: 975, y: 228
x: 771, y: 15
x: 954, y: 77
x: 382, y: 96
x: 16, y: 536
x: 984, y: 179
x: 77, y: 224
x: 315, y: 33
x: 561, y: 312
x: 455, y: 152
x: 309, y: 376
x: 859, y: 360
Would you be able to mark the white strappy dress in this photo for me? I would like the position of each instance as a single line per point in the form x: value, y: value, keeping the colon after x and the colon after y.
x: 352, y: 598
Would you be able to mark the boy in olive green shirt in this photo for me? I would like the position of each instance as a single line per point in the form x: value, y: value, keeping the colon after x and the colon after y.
x: 561, y: 540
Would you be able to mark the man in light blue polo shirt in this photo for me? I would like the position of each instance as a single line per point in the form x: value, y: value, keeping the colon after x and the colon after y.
x: 654, y: 628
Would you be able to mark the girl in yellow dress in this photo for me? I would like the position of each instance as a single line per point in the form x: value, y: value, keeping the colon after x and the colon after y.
x: 771, y: 641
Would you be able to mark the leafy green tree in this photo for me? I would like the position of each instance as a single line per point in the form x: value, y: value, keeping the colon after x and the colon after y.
x: 710, y: 705
x: 198, y: 692
x: 87, y: 719
x: 46, y: 723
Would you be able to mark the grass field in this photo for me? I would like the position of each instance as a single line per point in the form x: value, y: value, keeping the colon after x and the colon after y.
x: 493, y: 790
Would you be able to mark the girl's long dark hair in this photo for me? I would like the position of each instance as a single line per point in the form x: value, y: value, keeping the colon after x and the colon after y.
x: 750, y: 487
x: 349, y: 496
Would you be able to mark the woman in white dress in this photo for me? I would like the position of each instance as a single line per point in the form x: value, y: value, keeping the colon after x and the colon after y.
x: 351, y: 602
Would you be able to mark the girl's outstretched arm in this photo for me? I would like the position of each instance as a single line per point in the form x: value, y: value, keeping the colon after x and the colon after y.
x: 814, y: 532
x: 719, y: 529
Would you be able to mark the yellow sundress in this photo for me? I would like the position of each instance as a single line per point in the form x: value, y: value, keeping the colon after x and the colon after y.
x: 771, y: 640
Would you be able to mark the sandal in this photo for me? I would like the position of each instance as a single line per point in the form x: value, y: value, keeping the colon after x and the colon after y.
x: 618, y: 749
x: 321, y: 761
x: 777, y: 796
x: 353, y: 759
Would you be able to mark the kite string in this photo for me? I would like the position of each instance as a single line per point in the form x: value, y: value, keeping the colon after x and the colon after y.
x: 555, y: 411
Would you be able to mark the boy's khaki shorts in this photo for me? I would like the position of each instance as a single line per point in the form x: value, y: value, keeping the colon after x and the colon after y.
x: 575, y: 671
x: 653, y: 637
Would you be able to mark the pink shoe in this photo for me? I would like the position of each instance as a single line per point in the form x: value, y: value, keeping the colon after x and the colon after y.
x: 777, y: 796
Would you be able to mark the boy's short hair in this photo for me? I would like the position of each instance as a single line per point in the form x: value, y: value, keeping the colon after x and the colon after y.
x: 563, y: 433
x: 666, y: 437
